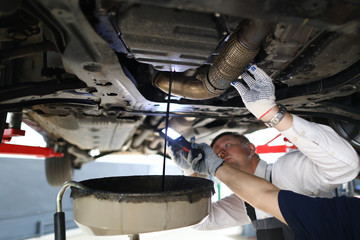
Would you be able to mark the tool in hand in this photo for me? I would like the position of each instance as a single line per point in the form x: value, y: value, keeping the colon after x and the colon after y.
x: 178, y: 141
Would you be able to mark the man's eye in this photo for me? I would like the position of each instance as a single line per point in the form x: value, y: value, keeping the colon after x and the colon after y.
x: 227, y: 145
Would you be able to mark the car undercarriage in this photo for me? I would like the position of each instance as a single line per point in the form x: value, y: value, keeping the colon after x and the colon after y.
x: 99, y: 74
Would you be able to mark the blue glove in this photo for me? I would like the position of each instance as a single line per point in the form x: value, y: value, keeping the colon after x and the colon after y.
x: 260, y: 98
x: 207, y: 164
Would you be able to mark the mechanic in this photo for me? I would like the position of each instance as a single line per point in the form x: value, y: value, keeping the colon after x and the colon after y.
x: 322, y: 162
x: 309, y: 218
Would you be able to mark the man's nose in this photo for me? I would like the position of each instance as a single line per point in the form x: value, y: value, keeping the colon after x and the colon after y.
x: 222, y: 154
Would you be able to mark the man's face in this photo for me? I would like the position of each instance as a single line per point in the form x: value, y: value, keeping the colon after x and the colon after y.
x: 234, y: 152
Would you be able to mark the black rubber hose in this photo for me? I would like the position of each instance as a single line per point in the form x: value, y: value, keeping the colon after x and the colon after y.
x: 59, y: 226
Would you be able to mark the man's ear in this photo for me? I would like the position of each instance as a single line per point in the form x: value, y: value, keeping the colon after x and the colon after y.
x: 252, y: 148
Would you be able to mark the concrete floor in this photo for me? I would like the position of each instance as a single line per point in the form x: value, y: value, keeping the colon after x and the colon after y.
x: 176, y: 234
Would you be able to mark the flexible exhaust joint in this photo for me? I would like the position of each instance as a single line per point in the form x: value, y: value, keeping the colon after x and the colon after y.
x: 241, y: 48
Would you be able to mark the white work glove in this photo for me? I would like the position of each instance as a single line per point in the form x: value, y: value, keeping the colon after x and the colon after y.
x: 260, y: 98
x: 179, y: 156
x: 207, y: 164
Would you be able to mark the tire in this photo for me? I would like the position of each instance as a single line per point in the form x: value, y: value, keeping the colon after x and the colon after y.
x: 349, y: 131
x: 59, y: 170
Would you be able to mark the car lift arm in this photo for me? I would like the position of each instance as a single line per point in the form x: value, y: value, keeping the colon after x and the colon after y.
x: 274, y: 149
x: 6, y: 148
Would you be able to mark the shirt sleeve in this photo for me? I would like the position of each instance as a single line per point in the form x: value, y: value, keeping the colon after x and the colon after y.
x: 325, y: 157
x: 227, y: 212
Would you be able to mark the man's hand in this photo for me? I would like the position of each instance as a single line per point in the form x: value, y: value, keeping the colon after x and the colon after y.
x: 179, y: 157
x: 207, y: 164
x: 259, y: 98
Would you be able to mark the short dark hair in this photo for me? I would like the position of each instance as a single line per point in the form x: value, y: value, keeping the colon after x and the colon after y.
x: 241, y: 137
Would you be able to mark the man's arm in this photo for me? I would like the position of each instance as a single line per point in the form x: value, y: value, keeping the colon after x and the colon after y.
x: 330, y: 160
x: 326, y: 160
x: 258, y: 192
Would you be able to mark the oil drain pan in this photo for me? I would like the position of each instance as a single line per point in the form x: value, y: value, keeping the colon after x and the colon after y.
x: 140, y: 204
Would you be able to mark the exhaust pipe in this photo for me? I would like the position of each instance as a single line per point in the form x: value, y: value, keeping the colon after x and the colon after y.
x: 241, y: 48
x: 182, y: 86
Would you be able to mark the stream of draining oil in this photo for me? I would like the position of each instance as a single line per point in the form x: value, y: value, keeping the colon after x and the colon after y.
x: 166, y: 131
